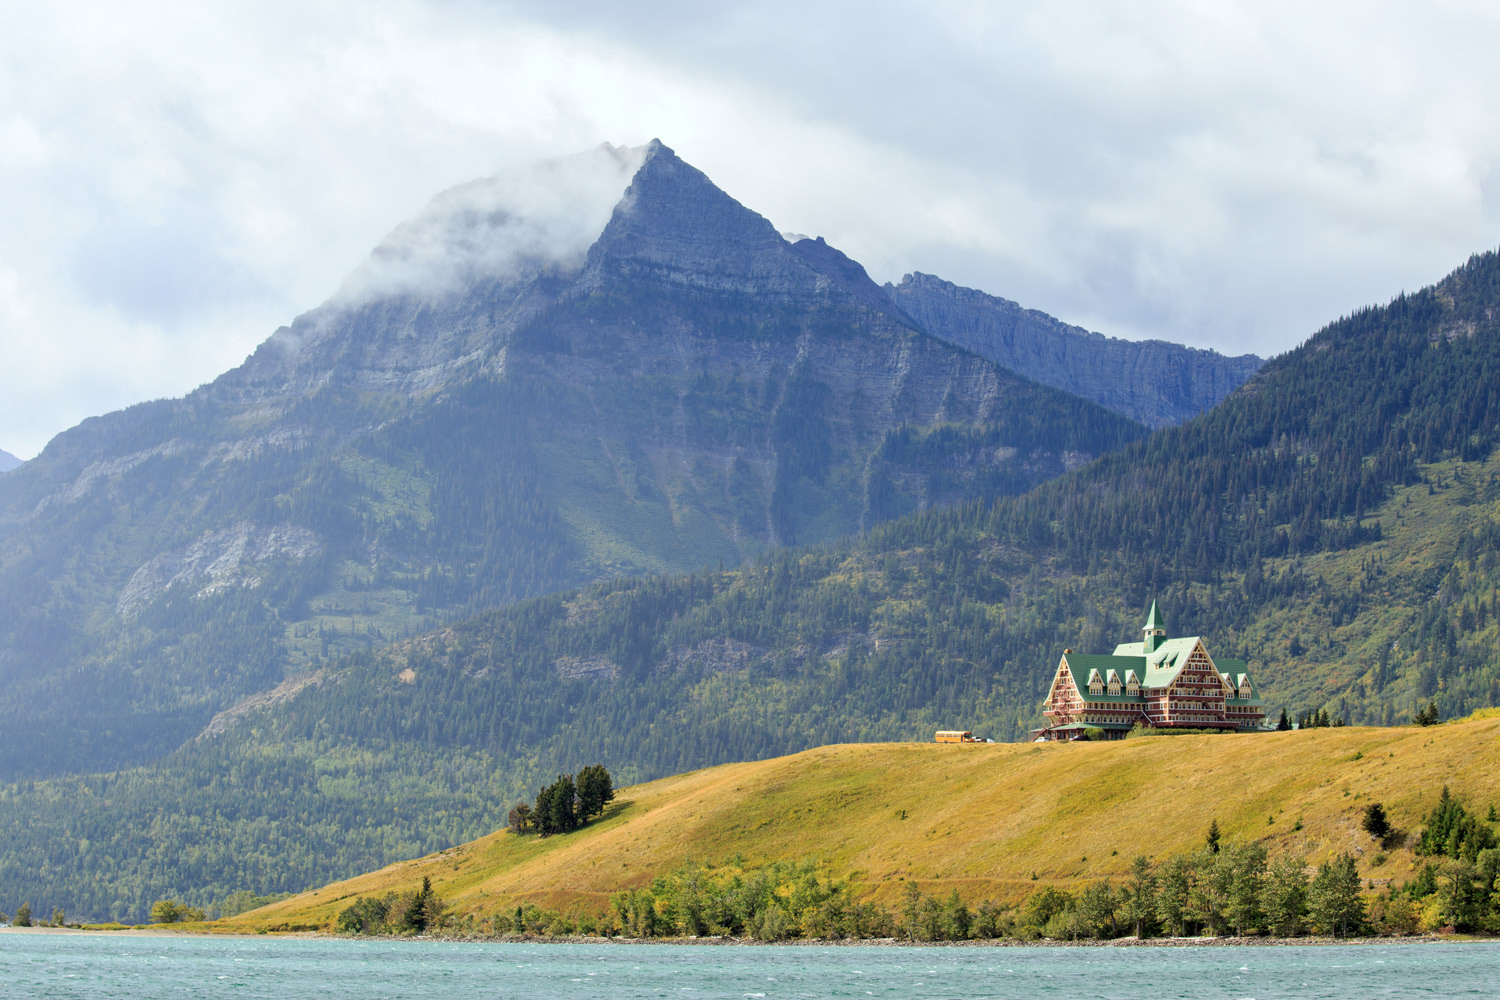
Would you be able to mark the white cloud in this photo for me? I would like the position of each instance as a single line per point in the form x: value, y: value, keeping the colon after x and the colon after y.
x: 519, y: 221
x: 183, y: 178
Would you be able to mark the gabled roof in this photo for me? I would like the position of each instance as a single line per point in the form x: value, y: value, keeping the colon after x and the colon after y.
x: 1235, y: 669
x: 1163, y: 664
x: 1091, y: 665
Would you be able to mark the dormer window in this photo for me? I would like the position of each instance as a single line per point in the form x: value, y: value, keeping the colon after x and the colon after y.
x: 1114, y: 687
x: 1096, y: 687
x: 1133, y: 689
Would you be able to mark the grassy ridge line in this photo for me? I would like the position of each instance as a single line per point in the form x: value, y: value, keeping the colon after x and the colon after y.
x: 982, y: 819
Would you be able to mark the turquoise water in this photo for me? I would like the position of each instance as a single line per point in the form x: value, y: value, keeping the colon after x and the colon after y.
x: 121, y: 968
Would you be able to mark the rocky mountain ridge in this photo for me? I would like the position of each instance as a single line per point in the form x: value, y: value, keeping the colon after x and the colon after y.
x: 1153, y: 381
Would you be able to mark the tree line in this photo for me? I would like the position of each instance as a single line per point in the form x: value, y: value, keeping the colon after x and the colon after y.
x: 1238, y: 889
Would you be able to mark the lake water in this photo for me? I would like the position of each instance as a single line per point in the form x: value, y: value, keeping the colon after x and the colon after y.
x: 60, y: 965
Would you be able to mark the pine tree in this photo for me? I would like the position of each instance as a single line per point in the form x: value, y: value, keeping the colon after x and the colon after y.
x: 595, y: 790
x: 1212, y: 838
x: 423, y: 911
x: 1283, y: 724
x: 1376, y: 824
x: 562, y: 805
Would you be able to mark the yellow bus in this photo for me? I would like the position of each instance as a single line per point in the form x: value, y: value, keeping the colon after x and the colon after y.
x: 956, y: 736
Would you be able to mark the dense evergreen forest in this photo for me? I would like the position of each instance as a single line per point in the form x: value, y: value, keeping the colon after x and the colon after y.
x: 1334, y: 523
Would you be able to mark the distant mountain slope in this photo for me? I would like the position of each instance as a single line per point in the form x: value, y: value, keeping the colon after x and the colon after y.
x: 992, y: 822
x: 605, y: 366
x: 8, y: 461
x: 1155, y: 382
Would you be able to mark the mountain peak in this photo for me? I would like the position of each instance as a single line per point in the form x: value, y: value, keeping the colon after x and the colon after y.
x: 675, y: 224
x: 8, y: 461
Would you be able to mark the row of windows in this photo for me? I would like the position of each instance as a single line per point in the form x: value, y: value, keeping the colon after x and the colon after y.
x: 1133, y: 689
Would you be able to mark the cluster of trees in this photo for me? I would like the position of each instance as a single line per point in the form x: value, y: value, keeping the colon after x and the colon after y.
x: 24, y: 918
x: 1318, y: 720
x: 770, y: 903
x: 172, y: 911
x: 1235, y: 889
x: 1460, y: 886
x: 1452, y: 831
x: 566, y: 804
x: 415, y: 912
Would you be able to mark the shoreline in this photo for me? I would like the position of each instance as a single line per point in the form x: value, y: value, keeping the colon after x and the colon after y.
x: 156, y: 931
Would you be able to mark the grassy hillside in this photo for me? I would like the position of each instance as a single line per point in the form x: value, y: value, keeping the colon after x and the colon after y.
x: 992, y: 821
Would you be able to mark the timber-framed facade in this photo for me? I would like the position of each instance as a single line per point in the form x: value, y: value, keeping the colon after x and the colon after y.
x: 1158, y: 682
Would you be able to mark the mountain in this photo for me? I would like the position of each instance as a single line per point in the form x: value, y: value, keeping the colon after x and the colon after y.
x: 992, y: 822
x: 601, y: 366
x: 1153, y: 381
x: 8, y: 461
x: 1333, y: 523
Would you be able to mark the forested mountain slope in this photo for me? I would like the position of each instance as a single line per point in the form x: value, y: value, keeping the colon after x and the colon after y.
x: 1334, y: 523
x: 1153, y: 381
x: 605, y: 366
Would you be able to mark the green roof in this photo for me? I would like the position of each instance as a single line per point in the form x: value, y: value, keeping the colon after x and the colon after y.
x: 1153, y: 620
x: 1157, y: 669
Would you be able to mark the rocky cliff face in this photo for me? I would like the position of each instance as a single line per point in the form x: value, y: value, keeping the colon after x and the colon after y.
x: 511, y: 397
x: 1152, y: 381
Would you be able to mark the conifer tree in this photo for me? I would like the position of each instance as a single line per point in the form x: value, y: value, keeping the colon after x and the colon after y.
x: 595, y: 790
x: 1376, y: 824
x: 562, y: 805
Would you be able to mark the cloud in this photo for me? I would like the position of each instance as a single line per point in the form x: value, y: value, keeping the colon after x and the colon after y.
x: 520, y: 221
x: 184, y: 178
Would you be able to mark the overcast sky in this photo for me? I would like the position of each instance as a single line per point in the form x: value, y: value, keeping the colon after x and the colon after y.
x: 179, y: 179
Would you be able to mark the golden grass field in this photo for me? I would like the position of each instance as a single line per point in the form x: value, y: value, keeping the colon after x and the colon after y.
x: 992, y: 820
